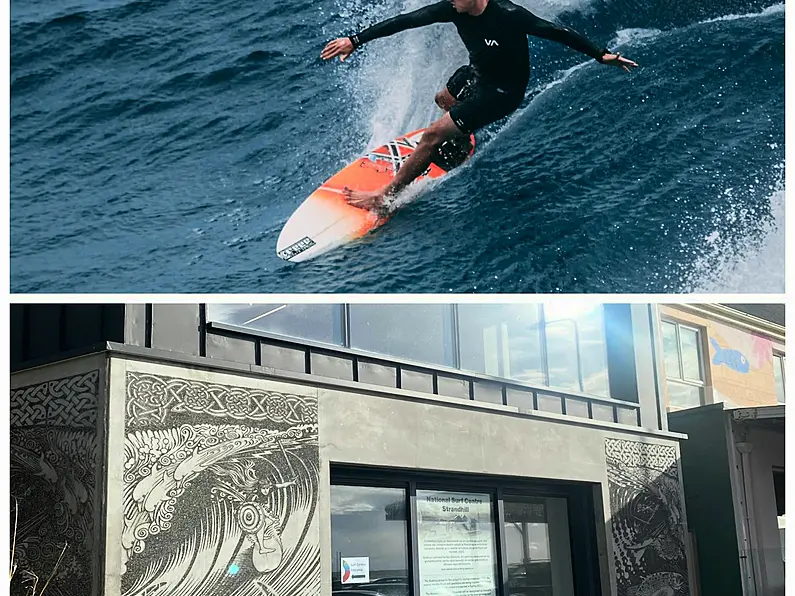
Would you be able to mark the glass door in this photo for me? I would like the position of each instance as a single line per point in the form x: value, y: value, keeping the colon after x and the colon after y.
x: 407, y: 533
x: 537, y: 547
x: 369, y: 541
x: 456, y: 543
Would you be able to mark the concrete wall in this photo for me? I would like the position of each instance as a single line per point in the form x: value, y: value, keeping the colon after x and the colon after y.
x: 57, y: 473
x: 629, y: 469
x: 213, y: 484
x: 219, y: 480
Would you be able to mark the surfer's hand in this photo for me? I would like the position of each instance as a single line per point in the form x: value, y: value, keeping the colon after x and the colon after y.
x: 341, y: 47
x: 618, y: 60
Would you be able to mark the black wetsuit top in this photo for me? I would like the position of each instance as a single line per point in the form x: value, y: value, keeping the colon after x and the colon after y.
x: 496, y: 39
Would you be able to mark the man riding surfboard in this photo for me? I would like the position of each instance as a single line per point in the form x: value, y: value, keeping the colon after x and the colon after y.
x: 489, y: 88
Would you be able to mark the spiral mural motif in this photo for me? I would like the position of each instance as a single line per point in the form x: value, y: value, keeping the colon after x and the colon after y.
x: 223, y: 472
x: 250, y: 517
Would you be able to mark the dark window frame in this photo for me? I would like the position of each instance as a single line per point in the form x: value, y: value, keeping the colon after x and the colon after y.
x: 579, y: 497
x: 779, y: 489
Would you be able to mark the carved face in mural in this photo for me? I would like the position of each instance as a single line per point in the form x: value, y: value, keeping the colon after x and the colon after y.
x: 648, y: 514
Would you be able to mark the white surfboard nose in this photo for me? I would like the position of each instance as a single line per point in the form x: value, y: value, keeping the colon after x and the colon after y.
x: 325, y: 220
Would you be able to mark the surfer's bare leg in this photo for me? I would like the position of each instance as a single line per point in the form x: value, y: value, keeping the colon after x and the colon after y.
x: 437, y: 133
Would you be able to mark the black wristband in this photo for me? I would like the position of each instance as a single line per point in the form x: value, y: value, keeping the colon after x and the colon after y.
x: 355, y: 41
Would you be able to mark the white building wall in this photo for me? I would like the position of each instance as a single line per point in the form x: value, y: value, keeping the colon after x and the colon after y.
x: 767, y: 453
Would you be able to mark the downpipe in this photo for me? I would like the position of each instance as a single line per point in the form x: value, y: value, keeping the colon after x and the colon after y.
x: 751, y: 561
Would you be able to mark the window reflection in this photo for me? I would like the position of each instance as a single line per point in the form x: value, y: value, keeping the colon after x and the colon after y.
x: 558, y: 344
x: 683, y: 396
x: 510, y: 340
x: 318, y: 322
x: 691, y: 367
x: 537, y: 547
x: 420, y: 332
x: 670, y: 349
x: 370, y: 522
x: 683, y: 366
x: 503, y: 340
x: 575, y: 332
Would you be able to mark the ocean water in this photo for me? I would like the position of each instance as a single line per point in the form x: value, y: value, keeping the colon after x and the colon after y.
x: 160, y: 146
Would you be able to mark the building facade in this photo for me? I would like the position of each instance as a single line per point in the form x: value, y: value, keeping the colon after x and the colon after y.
x: 726, y: 389
x: 425, y: 449
x: 721, y: 354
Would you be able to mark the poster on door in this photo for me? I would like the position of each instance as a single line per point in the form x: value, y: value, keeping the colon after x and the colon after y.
x: 455, y: 532
x: 355, y: 570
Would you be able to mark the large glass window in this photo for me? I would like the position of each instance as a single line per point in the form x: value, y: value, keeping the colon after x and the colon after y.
x: 576, y: 353
x: 420, y: 332
x: 318, y: 322
x: 684, y: 368
x: 537, y: 547
x: 559, y: 345
x: 369, y: 539
x: 779, y: 362
x: 503, y: 340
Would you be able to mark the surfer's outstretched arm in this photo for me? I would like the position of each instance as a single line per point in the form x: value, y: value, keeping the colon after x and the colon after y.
x: 538, y: 27
x: 441, y: 12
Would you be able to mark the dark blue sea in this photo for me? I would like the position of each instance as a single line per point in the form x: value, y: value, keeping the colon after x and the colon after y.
x: 161, y: 145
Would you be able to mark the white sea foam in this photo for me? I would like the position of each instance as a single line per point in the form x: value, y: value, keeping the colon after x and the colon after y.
x: 755, y: 264
x: 774, y: 9
x: 626, y: 36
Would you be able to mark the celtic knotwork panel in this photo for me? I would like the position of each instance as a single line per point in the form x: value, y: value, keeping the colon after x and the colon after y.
x: 152, y: 398
x: 223, y: 474
x: 71, y: 401
x: 646, y: 518
x: 53, y: 455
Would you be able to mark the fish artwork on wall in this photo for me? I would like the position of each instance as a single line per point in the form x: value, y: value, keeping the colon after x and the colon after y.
x: 731, y: 358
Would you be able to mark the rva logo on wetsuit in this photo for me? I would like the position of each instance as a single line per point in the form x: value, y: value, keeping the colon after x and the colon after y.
x: 491, y: 42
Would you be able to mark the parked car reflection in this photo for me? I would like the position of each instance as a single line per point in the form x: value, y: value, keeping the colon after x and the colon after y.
x: 384, y: 586
x: 533, y: 578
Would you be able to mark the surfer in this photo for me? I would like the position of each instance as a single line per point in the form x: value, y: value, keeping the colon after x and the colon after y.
x: 489, y: 88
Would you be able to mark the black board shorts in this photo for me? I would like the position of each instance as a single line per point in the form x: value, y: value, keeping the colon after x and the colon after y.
x: 478, y: 104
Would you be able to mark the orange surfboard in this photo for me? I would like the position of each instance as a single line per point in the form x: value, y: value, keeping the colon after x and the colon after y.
x: 325, y: 220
